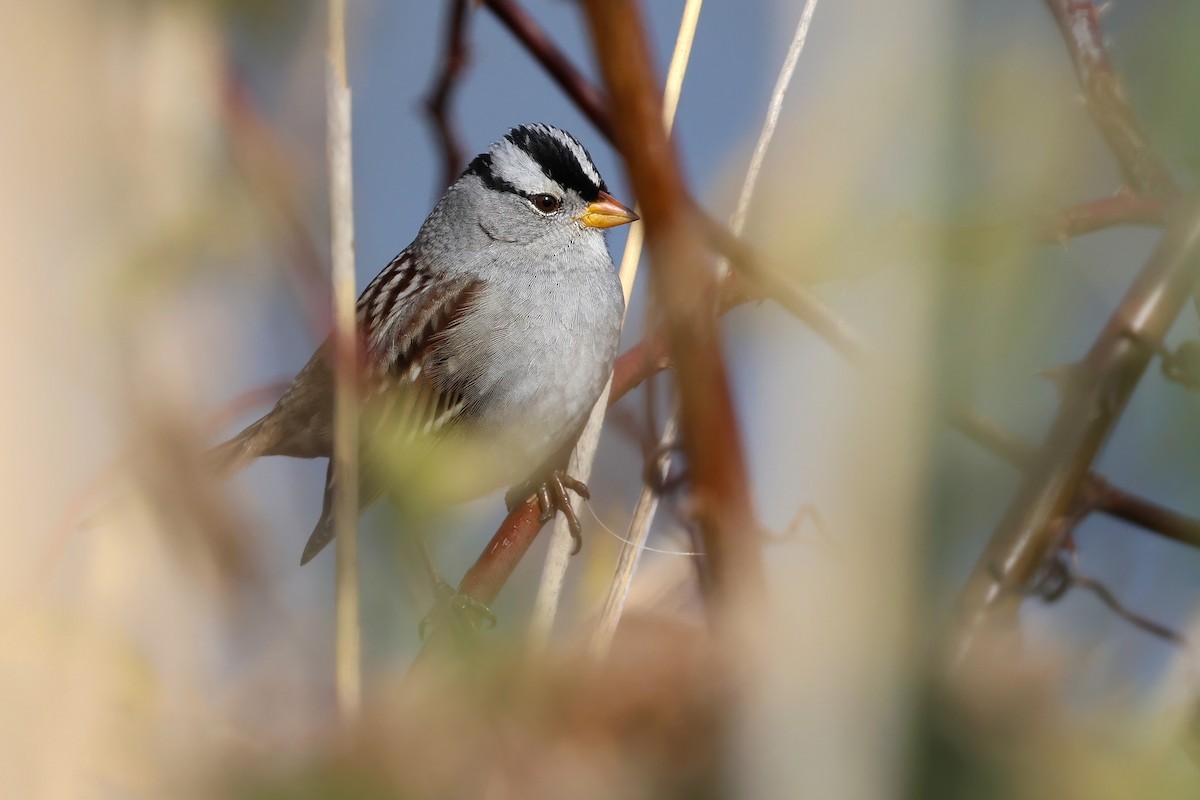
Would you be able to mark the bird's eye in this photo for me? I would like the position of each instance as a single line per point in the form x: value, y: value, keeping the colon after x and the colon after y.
x: 546, y: 203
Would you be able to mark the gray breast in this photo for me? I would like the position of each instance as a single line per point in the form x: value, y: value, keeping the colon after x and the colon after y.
x: 539, y: 346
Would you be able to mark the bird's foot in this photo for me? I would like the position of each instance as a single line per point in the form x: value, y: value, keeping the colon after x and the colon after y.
x: 468, y: 614
x: 552, y: 496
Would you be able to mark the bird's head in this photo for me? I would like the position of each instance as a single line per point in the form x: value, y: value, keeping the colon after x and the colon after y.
x: 537, y: 182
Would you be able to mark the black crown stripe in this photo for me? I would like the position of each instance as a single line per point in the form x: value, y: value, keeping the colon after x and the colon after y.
x: 557, y: 160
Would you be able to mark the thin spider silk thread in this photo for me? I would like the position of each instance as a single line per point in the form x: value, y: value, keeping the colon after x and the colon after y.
x: 643, y: 547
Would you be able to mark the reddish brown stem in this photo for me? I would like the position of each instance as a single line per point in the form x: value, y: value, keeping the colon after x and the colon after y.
x: 484, y: 580
x: 1123, y: 208
x: 644, y: 359
x: 685, y: 293
x: 586, y: 96
x: 1098, y: 493
x: 262, y: 160
x: 1079, y: 23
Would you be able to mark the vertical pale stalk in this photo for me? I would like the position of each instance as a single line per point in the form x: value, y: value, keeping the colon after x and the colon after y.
x: 553, y: 574
x: 631, y: 551
x: 345, y: 406
x: 647, y: 505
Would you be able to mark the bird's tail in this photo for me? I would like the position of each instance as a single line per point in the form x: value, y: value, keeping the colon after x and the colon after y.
x: 370, y: 489
x: 237, y: 453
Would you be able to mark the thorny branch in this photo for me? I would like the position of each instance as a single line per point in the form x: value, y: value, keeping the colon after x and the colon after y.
x: 1033, y: 529
x: 1042, y: 514
x: 1097, y: 492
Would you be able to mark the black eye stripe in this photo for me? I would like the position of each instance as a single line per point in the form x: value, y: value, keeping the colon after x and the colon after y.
x: 482, y: 167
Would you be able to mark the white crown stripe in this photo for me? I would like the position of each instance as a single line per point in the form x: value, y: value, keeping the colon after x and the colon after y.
x: 513, y: 165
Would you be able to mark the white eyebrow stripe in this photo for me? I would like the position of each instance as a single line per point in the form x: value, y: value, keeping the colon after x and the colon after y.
x: 513, y: 165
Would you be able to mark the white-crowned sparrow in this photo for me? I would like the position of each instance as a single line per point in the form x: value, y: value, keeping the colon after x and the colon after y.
x: 484, y: 344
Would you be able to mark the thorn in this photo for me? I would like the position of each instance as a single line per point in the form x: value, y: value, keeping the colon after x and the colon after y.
x: 1103, y: 8
x: 1183, y: 365
x: 1061, y: 376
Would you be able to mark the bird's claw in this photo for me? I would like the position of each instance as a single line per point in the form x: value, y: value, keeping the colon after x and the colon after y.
x: 469, y: 615
x: 552, y: 496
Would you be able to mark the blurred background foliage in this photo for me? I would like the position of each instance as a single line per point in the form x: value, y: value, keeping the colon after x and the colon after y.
x: 164, y: 236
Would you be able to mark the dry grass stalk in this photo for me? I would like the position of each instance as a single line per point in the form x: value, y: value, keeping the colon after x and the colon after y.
x: 341, y: 202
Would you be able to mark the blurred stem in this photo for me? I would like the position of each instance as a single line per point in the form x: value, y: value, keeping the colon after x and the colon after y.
x: 685, y: 294
x: 1123, y: 208
x: 643, y: 514
x: 649, y: 357
x: 631, y: 549
x: 557, y: 558
x: 345, y: 436
x: 586, y: 97
x: 260, y: 153
x: 1098, y: 389
x: 647, y: 505
x: 738, y: 223
x: 1079, y: 23
x: 1098, y: 493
